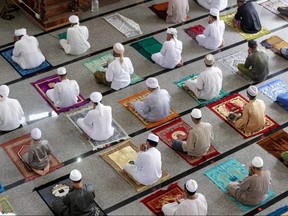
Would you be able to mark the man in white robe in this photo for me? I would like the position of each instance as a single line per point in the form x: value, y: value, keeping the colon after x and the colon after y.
x: 11, y: 112
x: 26, y: 52
x: 77, y: 38
x: 147, y: 168
x: 97, y: 124
x: 218, y: 4
x: 170, y: 53
x: 212, y: 37
x: 177, y: 11
x: 64, y: 93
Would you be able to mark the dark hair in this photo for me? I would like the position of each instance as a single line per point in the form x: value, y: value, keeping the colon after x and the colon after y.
x: 152, y: 143
x: 252, y: 44
x: 257, y: 168
x: 188, y: 192
x: 197, y: 119
x: 214, y: 17
x: 253, y: 97
x: 76, y: 182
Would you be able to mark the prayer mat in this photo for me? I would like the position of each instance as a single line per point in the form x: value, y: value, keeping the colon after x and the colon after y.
x: 126, y: 26
x: 280, y: 212
x: 41, y: 86
x: 7, y: 54
x: 228, y: 19
x: 167, y: 133
x: 16, y: 148
x: 1, y: 188
x: 181, y: 84
x: 119, y: 133
x: 274, y: 88
x: 58, y: 188
x: 119, y: 155
x: 274, y: 42
x: 275, y: 144
x: 147, y: 47
x: 155, y: 201
x: 4, y: 203
x: 194, y: 31
x: 229, y: 171
x: 221, y: 110
x: 272, y: 6
x: 63, y: 35
x: 140, y: 97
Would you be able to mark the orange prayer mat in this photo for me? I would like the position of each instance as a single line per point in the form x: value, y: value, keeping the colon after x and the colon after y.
x: 220, y: 109
x: 17, y: 147
x: 141, y: 96
x: 161, y: 7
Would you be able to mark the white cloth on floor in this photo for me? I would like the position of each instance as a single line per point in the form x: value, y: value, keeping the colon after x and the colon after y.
x: 208, y: 4
x: 177, y: 11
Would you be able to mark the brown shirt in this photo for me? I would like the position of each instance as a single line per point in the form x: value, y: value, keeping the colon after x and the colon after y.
x: 38, y: 154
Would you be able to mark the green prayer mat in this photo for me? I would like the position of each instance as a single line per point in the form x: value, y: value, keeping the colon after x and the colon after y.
x: 7, y: 208
x: 63, y: 35
x: 147, y: 47
x: 181, y: 84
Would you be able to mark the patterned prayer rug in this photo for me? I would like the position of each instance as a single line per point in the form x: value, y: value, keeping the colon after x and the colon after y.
x: 228, y: 19
x: 4, y: 203
x: 283, y: 211
x: 141, y: 96
x: 194, y: 31
x: 119, y: 155
x: 119, y: 133
x: 221, y: 110
x: 167, y: 133
x: 126, y: 26
x: 228, y: 171
x: 275, y: 144
x: 274, y: 88
x: 272, y: 6
x: 147, y: 47
x: 59, y: 188
x: 155, y: 201
x: 181, y: 84
x: 41, y: 86
x: 63, y: 35
x: 7, y: 54
x: 274, y: 42
x: 17, y: 147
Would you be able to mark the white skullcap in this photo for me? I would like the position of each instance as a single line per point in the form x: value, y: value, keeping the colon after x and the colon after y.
x: 214, y: 12
x: 61, y: 71
x: 209, y: 59
x: 196, y: 113
x: 74, y: 19
x: 75, y: 175
x: 4, y: 91
x: 191, y: 186
x: 118, y: 48
x: 36, y: 134
x: 96, y: 97
x: 257, y: 162
x: 172, y: 31
x: 252, y: 91
x: 152, y: 82
x: 19, y: 32
x: 153, y: 137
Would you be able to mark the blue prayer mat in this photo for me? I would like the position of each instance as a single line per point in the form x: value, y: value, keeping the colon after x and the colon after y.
x: 1, y: 188
x: 279, y: 211
x: 274, y: 88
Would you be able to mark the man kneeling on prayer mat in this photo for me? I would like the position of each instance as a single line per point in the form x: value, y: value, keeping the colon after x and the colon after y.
x: 80, y: 199
x: 199, y: 138
x: 26, y: 52
x: 209, y: 83
x: 170, y: 53
x: 156, y: 106
x: 98, y: 122
x: 118, y: 72
x: 177, y: 11
x: 189, y: 203
x: 38, y: 155
x: 64, y: 93
x: 147, y: 168
x: 253, y: 189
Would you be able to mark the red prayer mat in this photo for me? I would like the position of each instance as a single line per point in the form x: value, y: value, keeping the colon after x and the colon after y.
x: 169, y: 132
x: 194, y: 31
x: 222, y: 108
x: 17, y: 147
x: 155, y: 201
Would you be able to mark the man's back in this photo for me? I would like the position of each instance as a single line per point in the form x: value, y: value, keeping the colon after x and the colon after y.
x: 196, y: 206
x: 38, y: 155
x: 77, y: 37
x: 66, y: 93
x: 177, y: 11
x: 260, y: 66
x: 171, y: 51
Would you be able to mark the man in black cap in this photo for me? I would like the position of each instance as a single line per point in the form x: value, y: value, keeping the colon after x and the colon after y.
x: 256, y: 64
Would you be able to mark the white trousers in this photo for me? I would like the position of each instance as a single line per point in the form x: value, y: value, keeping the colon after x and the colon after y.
x: 170, y: 208
x: 50, y: 95
x: 88, y: 130
x: 65, y: 45
x: 192, y: 85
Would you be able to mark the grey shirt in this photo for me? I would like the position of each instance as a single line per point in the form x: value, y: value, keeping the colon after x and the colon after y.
x: 38, y: 154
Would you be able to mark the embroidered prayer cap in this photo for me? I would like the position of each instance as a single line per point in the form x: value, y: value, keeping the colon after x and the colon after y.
x: 191, y: 186
x: 152, y: 82
x: 75, y: 175
x: 19, y: 32
x: 172, y: 31
x: 96, y: 97
x: 257, y: 162
x: 214, y: 12
x: 252, y: 44
x: 209, y: 59
x: 196, y: 113
x: 4, y: 91
x: 118, y: 48
x: 61, y: 71
x: 153, y: 137
x: 252, y: 91
x: 36, y: 134
x: 74, y: 19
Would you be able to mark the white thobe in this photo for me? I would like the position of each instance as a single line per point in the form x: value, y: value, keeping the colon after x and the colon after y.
x: 11, y: 114
x: 212, y: 36
x: 196, y: 206
x: 26, y: 53
x: 177, y: 11
x: 64, y: 94
x: 218, y: 4
x: 155, y: 107
x: 77, y: 40
x: 98, y: 123
x: 208, y: 84
x: 119, y: 73
x: 147, y: 168
x: 169, y: 55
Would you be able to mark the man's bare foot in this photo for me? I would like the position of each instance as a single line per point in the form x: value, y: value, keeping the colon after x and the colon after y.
x: 130, y: 105
x: 222, y: 44
x: 181, y: 63
x: 85, y: 136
